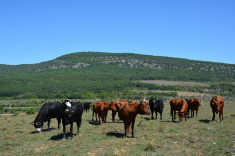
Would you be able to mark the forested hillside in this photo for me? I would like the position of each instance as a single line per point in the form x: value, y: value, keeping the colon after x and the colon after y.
x: 93, y: 74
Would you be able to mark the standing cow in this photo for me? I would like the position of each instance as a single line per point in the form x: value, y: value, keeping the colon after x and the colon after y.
x: 217, y: 105
x: 46, y: 113
x: 86, y: 106
x: 156, y: 105
x: 116, y: 106
x: 71, y: 112
x: 129, y: 112
x: 180, y: 106
x: 193, y: 105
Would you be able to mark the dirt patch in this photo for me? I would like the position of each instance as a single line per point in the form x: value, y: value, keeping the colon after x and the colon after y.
x: 175, y: 83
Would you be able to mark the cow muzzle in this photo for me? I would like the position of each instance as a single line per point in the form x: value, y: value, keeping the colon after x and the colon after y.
x: 39, y: 130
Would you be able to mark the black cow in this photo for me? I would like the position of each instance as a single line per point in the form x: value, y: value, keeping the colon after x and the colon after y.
x: 187, y: 100
x: 87, y: 106
x: 156, y: 105
x: 71, y: 112
x: 46, y: 113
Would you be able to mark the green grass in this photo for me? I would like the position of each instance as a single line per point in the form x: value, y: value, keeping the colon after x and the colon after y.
x: 196, y: 136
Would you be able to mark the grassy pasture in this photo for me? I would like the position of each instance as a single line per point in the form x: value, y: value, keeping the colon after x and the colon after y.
x: 196, y: 136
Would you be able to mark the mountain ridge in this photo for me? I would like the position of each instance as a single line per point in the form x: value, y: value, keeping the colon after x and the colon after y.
x: 85, y: 59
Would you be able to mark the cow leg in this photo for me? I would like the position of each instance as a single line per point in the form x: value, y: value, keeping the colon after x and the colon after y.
x: 156, y: 115
x: 48, y: 124
x: 71, y: 130
x: 113, y: 115
x: 161, y: 116
x: 172, y: 115
x: 64, y: 129
x: 213, y: 118
x: 222, y: 113
x: 125, y: 128
x: 59, y: 121
x: 196, y: 113
x: 92, y: 115
x: 132, y: 128
x: 78, y: 126
x: 185, y: 117
x: 152, y: 114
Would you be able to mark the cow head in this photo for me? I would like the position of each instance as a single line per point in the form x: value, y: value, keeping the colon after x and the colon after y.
x: 216, y: 103
x: 38, y: 126
x: 113, y: 106
x: 199, y: 101
x: 144, y: 108
x: 67, y: 107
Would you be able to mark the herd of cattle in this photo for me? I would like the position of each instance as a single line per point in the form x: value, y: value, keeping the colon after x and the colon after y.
x: 127, y: 111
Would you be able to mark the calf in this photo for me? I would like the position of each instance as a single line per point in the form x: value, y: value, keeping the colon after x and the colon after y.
x: 156, y: 105
x: 71, y: 112
x: 193, y: 105
x: 86, y: 106
x: 129, y: 112
x: 217, y: 105
x: 46, y: 113
x: 180, y: 106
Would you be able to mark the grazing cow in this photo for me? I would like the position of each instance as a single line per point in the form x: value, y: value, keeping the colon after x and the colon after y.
x: 193, y: 105
x: 116, y: 106
x: 71, y: 112
x: 217, y: 104
x: 46, y: 113
x: 180, y: 106
x: 156, y: 105
x: 129, y: 112
x: 86, y: 106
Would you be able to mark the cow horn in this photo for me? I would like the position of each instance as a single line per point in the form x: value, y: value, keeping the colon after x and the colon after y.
x: 176, y: 111
x: 32, y: 123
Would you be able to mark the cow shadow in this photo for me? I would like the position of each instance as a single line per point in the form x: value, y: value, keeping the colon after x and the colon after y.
x: 93, y: 122
x: 114, y: 134
x: 205, y: 121
x: 146, y: 118
x: 165, y: 121
x: 59, y: 136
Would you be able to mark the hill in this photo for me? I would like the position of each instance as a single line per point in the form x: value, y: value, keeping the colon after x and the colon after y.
x: 92, y: 74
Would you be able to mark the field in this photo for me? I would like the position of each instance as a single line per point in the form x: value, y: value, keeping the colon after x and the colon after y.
x: 196, y: 136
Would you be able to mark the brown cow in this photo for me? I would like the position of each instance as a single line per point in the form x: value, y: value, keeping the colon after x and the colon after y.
x: 180, y: 106
x: 103, y: 110
x: 129, y: 112
x: 217, y: 104
x: 95, y: 110
x: 116, y: 106
x: 193, y: 105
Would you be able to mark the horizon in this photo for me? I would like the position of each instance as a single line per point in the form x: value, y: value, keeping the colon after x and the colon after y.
x: 112, y: 53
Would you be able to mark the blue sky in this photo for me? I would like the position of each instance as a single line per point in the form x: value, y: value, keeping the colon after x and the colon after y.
x: 34, y: 31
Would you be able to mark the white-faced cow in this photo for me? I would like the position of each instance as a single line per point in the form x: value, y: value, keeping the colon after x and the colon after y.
x: 46, y: 113
x: 71, y: 112
x: 156, y: 105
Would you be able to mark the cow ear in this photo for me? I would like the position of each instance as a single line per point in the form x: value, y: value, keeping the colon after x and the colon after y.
x: 212, y: 103
x: 36, y: 123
